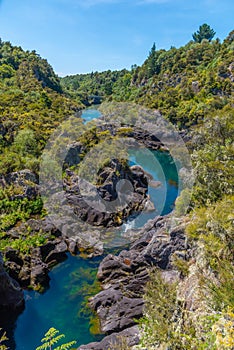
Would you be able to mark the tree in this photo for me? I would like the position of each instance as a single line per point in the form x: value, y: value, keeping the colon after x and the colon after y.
x: 204, y: 32
x: 25, y: 142
x: 151, y: 62
x: 52, y: 337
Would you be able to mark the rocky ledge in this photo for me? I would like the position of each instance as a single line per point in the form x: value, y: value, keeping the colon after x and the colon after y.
x: 128, y: 337
x: 11, y: 295
x: 123, y: 277
x: 31, y: 267
x: 118, y: 186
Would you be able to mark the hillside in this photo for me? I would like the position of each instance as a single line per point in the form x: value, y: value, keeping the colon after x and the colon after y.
x: 185, y: 83
x: 93, y: 87
x: 31, y: 103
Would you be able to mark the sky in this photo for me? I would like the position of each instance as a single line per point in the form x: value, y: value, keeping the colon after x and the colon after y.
x: 81, y: 36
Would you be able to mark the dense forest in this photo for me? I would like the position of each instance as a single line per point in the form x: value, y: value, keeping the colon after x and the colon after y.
x: 185, y: 83
x: 192, y: 87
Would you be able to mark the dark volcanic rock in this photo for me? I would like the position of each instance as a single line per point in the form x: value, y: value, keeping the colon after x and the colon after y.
x: 115, y: 310
x: 21, y: 178
x: 27, y: 182
x: 123, y: 277
x: 119, y: 192
x: 73, y: 154
x: 33, y: 268
x: 129, y: 336
x: 11, y: 295
x: 58, y: 254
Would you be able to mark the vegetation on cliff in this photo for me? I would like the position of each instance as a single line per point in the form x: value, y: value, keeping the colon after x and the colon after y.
x: 185, y: 84
x: 192, y: 86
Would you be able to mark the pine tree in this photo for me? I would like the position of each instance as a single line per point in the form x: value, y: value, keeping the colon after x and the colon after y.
x: 152, y: 62
x: 204, y: 32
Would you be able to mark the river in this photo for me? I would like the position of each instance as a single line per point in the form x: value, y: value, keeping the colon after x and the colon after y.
x: 64, y: 304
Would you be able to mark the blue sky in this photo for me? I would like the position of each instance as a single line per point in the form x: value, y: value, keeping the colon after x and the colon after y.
x: 79, y: 36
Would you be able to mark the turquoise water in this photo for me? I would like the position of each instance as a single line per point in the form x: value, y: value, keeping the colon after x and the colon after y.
x: 90, y: 114
x: 162, y: 168
x: 63, y: 305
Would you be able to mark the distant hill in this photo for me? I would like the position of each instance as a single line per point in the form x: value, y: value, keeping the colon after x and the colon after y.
x: 184, y: 83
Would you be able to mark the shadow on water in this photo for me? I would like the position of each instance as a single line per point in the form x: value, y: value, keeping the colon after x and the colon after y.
x: 8, y: 321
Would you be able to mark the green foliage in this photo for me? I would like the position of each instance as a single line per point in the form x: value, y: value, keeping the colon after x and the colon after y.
x: 25, y: 243
x: 224, y: 330
x: 3, y: 338
x: 184, y: 84
x: 213, y: 158
x: 15, y: 206
x: 25, y: 143
x: 53, y: 337
x: 204, y: 32
x: 181, y: 265
x: 167, y: 325
x: 31, y: 107
x: 85, y: 87
x: 152, y: 62
x: 160, y: 305
x: 182, y: 202
x: 214, y: 221
x: 212, y: 227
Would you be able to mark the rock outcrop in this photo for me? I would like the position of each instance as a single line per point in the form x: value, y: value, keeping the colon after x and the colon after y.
x: 11, y: 295
x: 32, y: 269
x: 128, y: 337
x: 123, y: 277
x: 119, y: 186
x: 61, y: 236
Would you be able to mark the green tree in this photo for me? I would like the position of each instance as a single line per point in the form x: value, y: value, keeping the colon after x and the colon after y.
x: 25, y: 142
x: 151, y: 62
x: 51, y: 338
x: 204, y: 32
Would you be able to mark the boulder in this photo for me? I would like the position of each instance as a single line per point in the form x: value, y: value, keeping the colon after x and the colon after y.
x: 73, y: 154
x: 129, y: 337
x: 21, y: 178
x: 58, y: 254
x: 116, y: 311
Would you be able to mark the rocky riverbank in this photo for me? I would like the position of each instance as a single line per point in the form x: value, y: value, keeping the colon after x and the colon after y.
x: 49, y: 241
x: 123, y: 278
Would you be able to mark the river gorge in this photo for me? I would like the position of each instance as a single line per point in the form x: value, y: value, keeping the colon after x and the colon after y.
x: 64, y: 304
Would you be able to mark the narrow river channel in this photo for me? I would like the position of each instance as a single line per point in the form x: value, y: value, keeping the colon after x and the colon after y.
x: 63, y: 305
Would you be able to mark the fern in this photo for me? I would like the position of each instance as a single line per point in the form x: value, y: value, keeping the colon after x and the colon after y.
x: 51, y: 338
x: 3, y: 338
x: 66, y: 346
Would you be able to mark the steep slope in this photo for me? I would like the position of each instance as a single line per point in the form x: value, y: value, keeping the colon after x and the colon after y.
x: 31, y: 101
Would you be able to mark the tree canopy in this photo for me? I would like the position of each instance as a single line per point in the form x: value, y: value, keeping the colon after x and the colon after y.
x: 204, y: 32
